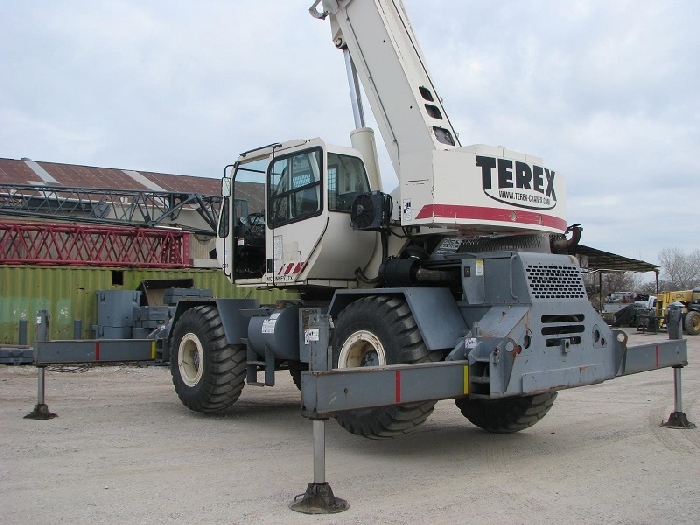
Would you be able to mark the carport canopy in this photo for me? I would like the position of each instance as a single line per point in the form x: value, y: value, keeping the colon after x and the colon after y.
x: 593, y: 260
x: 599, y: 261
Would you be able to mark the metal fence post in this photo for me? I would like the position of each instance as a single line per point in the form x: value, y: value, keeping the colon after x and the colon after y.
x: 41, y: 410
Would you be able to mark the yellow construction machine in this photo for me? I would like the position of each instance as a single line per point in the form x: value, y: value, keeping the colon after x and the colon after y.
x: 657, y: 315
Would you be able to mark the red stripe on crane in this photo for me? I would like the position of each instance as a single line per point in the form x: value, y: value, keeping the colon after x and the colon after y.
x: 457, y: 211
x: 657, y: 356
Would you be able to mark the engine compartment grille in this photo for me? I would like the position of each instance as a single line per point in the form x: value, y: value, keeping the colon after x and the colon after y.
x: 554, y: 281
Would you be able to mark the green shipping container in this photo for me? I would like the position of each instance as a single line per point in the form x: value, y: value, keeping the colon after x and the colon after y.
x: 68, y: 293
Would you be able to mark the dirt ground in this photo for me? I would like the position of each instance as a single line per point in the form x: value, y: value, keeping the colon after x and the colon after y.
x: 124, y: 450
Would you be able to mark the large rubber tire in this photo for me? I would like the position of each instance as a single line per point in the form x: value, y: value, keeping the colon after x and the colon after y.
x: 380, y: 330
x: 208, y: 373
x: 692, y: 323
x: 507, y: 415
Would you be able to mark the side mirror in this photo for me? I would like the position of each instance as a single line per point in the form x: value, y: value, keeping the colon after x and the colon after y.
x: 226, y: 187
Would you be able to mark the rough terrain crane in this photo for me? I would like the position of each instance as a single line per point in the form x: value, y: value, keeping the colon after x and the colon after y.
x: 464, y: 264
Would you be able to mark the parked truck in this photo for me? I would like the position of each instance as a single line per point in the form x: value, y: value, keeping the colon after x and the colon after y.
x: 466, y: 261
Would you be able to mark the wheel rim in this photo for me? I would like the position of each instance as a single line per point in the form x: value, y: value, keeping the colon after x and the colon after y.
x: 362, y: 348
x: 190, y: 357
x: 695, y: 322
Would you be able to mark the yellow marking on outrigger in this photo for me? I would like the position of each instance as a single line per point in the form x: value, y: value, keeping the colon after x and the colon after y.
x: 466, y: 379
x: 153, y: 350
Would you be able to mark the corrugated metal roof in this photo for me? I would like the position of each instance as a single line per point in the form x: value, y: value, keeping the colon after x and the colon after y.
x: 17, y: 172
x: 71, y: 175
x: 87, y: 177
x: 186, y: 183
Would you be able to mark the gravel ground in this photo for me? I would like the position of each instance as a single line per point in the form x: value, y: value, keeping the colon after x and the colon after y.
x: 124, y: 450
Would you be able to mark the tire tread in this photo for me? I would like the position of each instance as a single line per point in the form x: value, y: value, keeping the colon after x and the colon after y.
x: 506, y: 415
x: 223, y: 377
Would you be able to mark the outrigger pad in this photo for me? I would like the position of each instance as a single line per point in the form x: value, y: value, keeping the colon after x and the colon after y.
x: 40, y: 412
x: 319, y: 499
x: 677, y: 420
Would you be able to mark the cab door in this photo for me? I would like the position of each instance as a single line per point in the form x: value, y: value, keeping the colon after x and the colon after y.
x: 296, y: 218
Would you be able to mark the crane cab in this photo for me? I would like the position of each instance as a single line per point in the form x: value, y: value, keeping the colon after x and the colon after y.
x: 285, y: 218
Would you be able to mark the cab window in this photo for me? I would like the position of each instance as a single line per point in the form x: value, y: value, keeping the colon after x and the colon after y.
x: 346, y: 179
x: 294, y: 188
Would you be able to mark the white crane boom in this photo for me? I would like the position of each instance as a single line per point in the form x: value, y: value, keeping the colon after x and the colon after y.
x: 477, y: 188
x: 386, y: 53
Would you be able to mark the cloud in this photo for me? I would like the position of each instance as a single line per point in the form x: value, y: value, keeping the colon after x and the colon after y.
x: 20, y: 129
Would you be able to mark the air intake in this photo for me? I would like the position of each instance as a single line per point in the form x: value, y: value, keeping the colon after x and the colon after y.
x: 554, y: 281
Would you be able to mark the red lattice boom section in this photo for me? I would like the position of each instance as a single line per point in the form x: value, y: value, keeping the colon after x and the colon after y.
x: 69, y: 244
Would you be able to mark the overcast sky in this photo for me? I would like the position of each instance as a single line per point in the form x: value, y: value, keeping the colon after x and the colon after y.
x: 605, y: 91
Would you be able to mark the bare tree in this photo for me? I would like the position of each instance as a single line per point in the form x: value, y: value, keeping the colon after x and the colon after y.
x: 680, y: 271
x: 621, y: 282
x: 648, y: 288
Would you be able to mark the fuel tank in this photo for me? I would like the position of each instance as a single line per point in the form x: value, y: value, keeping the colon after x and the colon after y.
x: 278, y: 331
